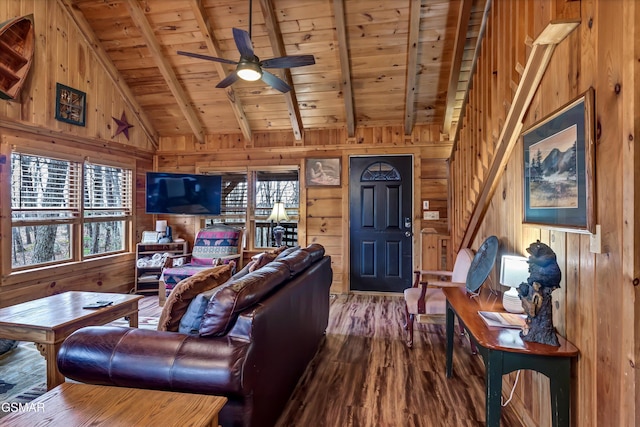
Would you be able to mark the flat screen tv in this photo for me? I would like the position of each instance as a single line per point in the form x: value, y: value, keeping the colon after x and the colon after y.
x: 183, y: 194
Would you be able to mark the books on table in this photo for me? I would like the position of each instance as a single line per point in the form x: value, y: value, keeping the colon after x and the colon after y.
x: 503, y: 320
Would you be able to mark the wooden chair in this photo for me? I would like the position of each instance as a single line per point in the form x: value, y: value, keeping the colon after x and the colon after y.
x: 213, y: 246
x: 426, y: 299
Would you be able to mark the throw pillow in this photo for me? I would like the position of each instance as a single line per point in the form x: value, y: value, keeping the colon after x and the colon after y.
x: 190, y: 322
x: 180, y: 297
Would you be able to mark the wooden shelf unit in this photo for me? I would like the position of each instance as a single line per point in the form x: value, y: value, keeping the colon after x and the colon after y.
x: 147, y: 278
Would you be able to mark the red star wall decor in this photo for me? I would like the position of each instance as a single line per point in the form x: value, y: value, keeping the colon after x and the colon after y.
x: 123, y: 126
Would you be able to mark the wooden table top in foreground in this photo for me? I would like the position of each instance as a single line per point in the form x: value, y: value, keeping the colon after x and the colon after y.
x: 74, y: 404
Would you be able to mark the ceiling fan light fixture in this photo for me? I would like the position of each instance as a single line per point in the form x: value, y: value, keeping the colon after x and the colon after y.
x: 249, y: 71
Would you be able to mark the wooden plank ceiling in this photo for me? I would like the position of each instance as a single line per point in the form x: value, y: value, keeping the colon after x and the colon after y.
x: 393, y: 62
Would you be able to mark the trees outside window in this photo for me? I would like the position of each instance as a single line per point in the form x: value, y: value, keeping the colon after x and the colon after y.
x: 64, y: 210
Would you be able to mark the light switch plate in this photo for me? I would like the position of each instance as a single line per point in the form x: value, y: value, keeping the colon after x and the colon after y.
x: 425, y: 205
x: 595, y: 241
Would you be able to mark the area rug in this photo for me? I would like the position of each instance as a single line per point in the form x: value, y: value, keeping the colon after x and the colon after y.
x: 23, y: 372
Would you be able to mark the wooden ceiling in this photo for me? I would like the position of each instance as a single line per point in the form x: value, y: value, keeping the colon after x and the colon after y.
x: 378, y: 63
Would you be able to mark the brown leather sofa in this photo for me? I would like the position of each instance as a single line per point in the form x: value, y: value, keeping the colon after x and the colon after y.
x: 277, y: 316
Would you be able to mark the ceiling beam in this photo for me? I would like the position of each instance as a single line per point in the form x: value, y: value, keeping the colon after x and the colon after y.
x: 117, y: 79
x: 412, y: 66
x: 277, y: 44
x: 212, y: 45
x: 345, y: 66
x: 537, y: 63
x: 458, y: 53
x: 140, y: 20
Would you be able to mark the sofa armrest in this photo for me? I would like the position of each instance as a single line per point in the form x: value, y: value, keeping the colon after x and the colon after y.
x: 141, y: 358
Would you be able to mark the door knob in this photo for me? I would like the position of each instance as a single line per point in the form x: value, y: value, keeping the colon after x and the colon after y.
x: 408, y: 234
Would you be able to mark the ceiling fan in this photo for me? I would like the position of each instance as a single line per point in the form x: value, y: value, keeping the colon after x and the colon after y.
x: 250, y: 67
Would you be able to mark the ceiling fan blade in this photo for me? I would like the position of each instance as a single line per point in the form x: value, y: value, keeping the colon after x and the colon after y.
x: 228, y: 81
x: 207, y: 57
x: 243, y: 43
x: 289, y: 61
x: 275, y: 82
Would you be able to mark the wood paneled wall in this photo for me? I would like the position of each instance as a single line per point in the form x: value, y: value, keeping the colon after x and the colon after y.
x: 61, y: 56
x: 595, y: 306
x: 324, y: 212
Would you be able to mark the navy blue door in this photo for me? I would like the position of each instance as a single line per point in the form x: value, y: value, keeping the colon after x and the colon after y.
x: 380, y: 192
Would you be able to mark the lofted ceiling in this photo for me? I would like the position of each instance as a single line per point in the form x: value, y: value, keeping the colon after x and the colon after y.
x: 378, y: 63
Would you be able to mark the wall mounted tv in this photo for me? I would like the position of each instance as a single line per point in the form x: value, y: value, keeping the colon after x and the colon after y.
x: 183, y: 194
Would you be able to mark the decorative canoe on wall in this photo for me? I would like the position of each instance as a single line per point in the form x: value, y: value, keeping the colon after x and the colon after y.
x: 17, y: 42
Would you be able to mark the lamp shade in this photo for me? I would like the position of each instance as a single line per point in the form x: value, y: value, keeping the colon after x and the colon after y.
x: 278, y: 213
x: 514, y: 270
x: 161, y: 226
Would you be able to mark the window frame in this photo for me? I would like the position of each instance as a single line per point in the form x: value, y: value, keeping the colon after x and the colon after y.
x: 77, y: 219
x: 250, y: 215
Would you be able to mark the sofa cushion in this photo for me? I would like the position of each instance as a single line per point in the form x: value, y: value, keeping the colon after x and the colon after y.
x: 316, y: 251
x: 296, y: 261
x: 192, y: 318
x: 180, y: 297
x: 239, y: 294
x: 283, y: 253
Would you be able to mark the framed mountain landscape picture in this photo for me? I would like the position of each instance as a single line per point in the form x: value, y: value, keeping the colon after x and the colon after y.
x: 559, y: 168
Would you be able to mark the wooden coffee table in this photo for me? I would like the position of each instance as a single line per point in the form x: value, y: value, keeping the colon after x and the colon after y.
x: 48, y: 321
x: 73, y: 404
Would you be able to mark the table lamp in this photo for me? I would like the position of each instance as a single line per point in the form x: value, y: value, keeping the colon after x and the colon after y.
x: 278, y: 214
x: 513, y: 271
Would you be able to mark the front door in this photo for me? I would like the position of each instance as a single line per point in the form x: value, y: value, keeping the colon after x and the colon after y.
x: 380, y: 195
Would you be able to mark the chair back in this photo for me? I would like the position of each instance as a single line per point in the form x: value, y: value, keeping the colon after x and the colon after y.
x: 462, y: 265
x: 214, y: 242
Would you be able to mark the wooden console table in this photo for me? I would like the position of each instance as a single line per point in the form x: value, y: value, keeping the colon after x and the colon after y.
x: 503, y: 351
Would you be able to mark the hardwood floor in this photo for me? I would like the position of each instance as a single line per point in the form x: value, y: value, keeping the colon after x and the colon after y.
x: 365, y: 376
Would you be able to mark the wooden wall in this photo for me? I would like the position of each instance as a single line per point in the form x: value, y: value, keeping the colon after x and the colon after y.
x: 61, y: 56
x: 595, y: 307
x: 324, y: 212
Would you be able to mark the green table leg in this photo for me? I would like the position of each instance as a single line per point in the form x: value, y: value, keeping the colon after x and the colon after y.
x: 560, y: 384
x: 450, y: 327
x: 493, y: 378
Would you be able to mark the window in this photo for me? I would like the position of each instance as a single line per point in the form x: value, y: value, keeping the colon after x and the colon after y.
x: 65, y: 210
x: 248, y: 198
x: 107, y: 204
x: 272, y: 187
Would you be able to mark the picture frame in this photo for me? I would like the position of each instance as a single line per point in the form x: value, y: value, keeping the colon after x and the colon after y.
x: 559, y: 168
x: 325, y: 172
x: 70, y: 105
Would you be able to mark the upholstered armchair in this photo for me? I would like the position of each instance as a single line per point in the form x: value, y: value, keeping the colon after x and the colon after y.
x: 426, y: 299
x: 213, y: 246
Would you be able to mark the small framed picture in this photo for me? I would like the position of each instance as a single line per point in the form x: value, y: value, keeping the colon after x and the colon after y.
x: 70, y: 105
x: 323, y: 172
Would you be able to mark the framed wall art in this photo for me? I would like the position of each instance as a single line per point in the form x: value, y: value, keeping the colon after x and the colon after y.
x: 70, y: 105
x: 323, y: 172
x: 559, y: 167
